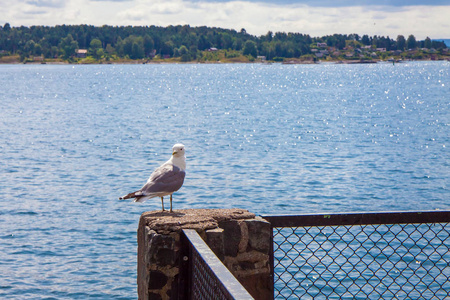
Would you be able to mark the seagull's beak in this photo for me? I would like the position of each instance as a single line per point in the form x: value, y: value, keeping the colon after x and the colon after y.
x: 174, y: 152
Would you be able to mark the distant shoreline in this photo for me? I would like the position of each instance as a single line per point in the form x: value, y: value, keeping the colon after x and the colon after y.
x: 86, y: 44
x: 162, y: 62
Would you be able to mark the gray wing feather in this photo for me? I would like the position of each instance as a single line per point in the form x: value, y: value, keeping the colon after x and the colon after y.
x: 167, y: 178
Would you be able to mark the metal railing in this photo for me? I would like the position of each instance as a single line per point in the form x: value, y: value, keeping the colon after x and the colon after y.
x: 207, y: 277
x: 362, y: 256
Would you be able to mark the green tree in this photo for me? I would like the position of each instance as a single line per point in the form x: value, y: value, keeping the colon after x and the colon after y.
x: 54, y: 52
x: 237, y: 44
x: 37, y: 49
x: 96, y: 48
x: 250, y: 48
x: 267, y: 50
x: 227, y: 41
x: 354, y: 36
x: 365, y: 40
x: 193, y: 51
x: 269, y: 35
x: 183, y: 50
x: 119, y: 47
x: 411, y: 42
x: 149, y: 44
x: 278, y: 49
x: 167, y: 48
x: 203, y: 43
x: 137, y: 51
x: 6, y: 27
x: 401, y: 42
x: 29, y: 48
x: 68, y: 46
x: 109, y: 49
x: 438, y: 45
x: 375, y: 41
x: 331, y: 41
x: 128, y: 46
x: 184, y: 53
x: 95, y: 44
x: 133, y: 47
x: 427, y: 43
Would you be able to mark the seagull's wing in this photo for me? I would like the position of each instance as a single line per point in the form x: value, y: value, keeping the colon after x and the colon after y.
x: 165, y: 179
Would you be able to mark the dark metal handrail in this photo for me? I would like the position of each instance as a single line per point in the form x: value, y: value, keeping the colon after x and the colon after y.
x: 208, y: 277
x: 368, y: 218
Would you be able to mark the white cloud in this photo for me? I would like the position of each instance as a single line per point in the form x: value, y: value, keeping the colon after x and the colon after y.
x: 46, y: 3
x: 256, y: 17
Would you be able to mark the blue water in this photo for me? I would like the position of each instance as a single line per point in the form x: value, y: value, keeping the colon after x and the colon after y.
x: 273, y: 139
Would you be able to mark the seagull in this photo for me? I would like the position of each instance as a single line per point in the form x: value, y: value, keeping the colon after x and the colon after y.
x: 165, y: 180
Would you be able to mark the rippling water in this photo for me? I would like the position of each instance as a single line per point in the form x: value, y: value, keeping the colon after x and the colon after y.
x: 268, y: 138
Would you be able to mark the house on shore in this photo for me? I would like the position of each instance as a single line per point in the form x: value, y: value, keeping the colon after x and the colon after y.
x: 81, y: 53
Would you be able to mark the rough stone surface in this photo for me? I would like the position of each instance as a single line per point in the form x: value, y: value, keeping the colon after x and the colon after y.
x: 259, y: 232
x: 231, y: 234
x: 153, y: 296
x: 161, y: 249
x: 199, y: 219
x: 214, y: 239
x: 236, y: 236
x: 243, y: 244
x: 157, y: 280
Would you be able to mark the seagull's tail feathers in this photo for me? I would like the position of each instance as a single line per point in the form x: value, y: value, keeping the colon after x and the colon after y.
x: 139, y: 196
x: 131, y: 195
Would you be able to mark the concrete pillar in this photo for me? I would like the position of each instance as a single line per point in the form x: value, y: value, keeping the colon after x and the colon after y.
x: 238, y: 238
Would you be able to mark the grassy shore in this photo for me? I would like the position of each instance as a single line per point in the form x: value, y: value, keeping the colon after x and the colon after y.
x: 221, y: 56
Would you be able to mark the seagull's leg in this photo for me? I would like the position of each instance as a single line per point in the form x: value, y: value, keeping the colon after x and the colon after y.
x: 171, y: 203
x: 162, y: 203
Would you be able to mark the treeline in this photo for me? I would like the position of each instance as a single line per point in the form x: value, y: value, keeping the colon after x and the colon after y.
x: 188, y: 43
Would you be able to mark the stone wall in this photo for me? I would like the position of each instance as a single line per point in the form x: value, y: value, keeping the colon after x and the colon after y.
x: 238, y: 238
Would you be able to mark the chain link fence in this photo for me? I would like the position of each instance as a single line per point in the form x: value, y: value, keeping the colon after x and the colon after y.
x: 362, y: 256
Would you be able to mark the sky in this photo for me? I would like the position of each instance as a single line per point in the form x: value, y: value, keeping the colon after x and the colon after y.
x: 391, y: 18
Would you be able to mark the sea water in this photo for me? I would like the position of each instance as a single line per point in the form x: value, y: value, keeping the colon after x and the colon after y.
x: 273, y: 139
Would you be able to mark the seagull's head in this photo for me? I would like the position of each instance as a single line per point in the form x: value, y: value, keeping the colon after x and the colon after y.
x: 178, y: 150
